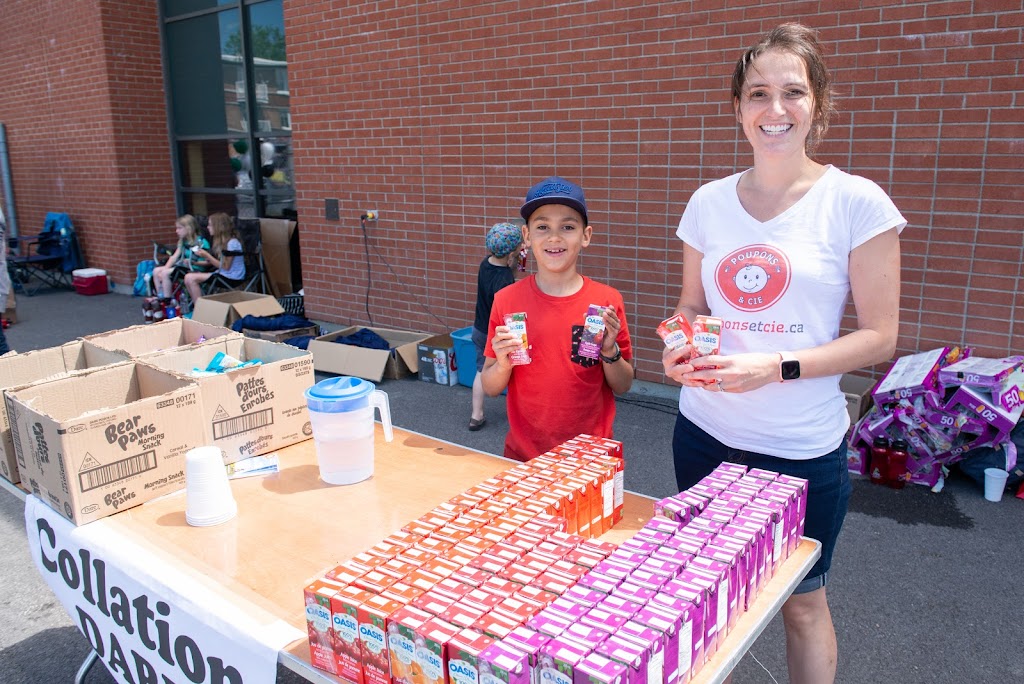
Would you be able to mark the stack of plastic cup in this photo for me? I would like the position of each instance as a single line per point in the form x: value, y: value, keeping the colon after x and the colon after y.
x: 209, y: 500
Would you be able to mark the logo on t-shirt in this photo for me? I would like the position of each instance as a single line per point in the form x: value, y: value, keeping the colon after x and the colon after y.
x: 754, y: 277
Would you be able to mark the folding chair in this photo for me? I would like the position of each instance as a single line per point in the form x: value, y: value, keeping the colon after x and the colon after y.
x: 46, y: 259
x: 256, y: 278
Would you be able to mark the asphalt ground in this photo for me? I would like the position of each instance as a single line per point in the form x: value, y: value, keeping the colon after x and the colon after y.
x: 924, y: 588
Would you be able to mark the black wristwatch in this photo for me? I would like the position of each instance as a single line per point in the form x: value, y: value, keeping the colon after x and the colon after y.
x: 789, y: 366
x: 614, y: 357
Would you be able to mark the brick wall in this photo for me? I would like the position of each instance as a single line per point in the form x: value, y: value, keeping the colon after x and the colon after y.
x: 441, y: 115
x: 83, y: 104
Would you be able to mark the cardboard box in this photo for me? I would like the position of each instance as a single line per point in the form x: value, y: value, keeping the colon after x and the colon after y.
x: 437, y: 360
x: 22, y: 369
x: 252, y: 410
x: 370, y: 364
x: 281, y: 335
x: 98, y: 441
x: 140, y: 341
x: 276, y: 236
x: 226, y: 308
x: 858, y: 395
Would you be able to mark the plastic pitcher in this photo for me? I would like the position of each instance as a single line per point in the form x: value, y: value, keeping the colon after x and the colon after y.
x: 341, y: 413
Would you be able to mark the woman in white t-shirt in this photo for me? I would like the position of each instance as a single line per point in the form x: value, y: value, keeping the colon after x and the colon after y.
x: 775, y: 251
x: 225, y: 255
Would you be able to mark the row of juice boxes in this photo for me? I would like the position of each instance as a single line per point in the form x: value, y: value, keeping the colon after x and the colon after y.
x: 652, y: 610
x: 575, y: 490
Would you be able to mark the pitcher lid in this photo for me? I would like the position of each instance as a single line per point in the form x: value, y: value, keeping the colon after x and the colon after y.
x: 342, y: 388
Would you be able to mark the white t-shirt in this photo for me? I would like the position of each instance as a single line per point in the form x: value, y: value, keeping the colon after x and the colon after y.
x: 781, y: 285
x: 237, y: 270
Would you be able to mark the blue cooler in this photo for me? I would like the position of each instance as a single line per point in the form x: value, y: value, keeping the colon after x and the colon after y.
x: 465, y: 355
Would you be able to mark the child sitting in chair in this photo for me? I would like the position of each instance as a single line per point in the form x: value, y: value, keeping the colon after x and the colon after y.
x: 187, y: 230
x: 225, y: 255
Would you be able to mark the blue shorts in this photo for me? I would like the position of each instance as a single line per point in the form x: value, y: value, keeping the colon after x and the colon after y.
x: 696, y: 453
x: 479, y: 340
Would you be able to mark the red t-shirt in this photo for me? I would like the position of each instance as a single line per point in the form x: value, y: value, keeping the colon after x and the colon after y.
x: 555, y: 398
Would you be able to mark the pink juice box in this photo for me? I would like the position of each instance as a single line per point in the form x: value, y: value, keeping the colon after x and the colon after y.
x: 684, y: 544
x: 604, y: 619
x: 549, y: 622
x: 652, y: 645
x: 687, y: 609
x: 616, y: 603
x: 639, y: 546
x: 558, y: 660
x: 503, y: 663
x: 671, y: 557
x: 665, y: 566
x: 649, y: 580
x: 597, y: 669
x: 598, y: 582
x: 772, y: 516
x: 584, y: 596
x: 586, y: 634
x: 529, y: 642
x: 788, y: 522
x: 633, y: 657
x: 660, y: 525
x: 615, y: 569
x: 716, y: 605
x: 634, y: 592
x: 568, y: 608
x: 627, y: 557
x: 723, y: 567
x: 673, y: 509
x: 659, y: 630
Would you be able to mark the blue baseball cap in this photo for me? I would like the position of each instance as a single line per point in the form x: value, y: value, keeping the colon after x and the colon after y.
x: 555, y: 190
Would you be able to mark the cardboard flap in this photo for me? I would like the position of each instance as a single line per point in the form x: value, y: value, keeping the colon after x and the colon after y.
x: 20, y: 369
x: 226, y: 308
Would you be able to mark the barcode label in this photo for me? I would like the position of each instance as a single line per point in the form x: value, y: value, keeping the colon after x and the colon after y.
x: 250, y: 421
x: 118, y: 470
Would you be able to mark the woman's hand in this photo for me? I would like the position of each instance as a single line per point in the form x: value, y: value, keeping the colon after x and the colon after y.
x: 733, y: 373
x: 677, y: 363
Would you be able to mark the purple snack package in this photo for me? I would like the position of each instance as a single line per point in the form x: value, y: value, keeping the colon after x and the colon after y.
x: 598, y: 669
x: 502, y: 663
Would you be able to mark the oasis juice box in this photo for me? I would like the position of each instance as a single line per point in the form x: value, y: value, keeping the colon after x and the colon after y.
x: 431, y: 653
x: 464, y: 651
x: 317, y: 596
x: 345, y: 620
x: 373, y: 615
x: 402, y: 644
x: 502, y: 663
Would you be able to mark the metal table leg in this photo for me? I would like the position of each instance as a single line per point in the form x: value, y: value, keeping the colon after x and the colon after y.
x: 84, y: 669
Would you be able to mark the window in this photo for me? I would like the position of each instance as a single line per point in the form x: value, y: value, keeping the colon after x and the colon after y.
x: 218, y: 52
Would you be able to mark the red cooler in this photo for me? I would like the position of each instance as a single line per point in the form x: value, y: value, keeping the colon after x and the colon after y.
x: 89, y: 281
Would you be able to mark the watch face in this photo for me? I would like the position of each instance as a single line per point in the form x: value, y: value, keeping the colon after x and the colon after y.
x: 790, y: 370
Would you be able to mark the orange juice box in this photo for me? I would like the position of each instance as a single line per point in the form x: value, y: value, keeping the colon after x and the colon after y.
x: 460, y: 555
x: 422, y: 579
x: 675, y: 331
x: 583, y: 505
x: 416, y: 555
x: 567, y: 568
x: 432, y: 639
x: 478, y: 515
x: 516, y: 323
x: 433, y: 602
x: 474, y: 544
x: 492, y: 533
x: 451, y: 508
x: 595, y: 490
x: 570, y: 541
x: 375, y: 581
x: 396, y: 567
x: 489, y: 563
x: 345, y: 620
x: 434, y: 545
x: 620, y: 482
x: 544, y: 461
x: 568, y: 508
x: 441, y: 565
x: 467, y: 498
x: 555, y: 582
x: 402, y: 628
x: 373, y: 615
x: 386, y: 549
x: 614, y: 446
x: 403, y: 592
x: 420, y: 528
x: 523, y: 541
x: 505, y: 550
x: 509, y: 497
x: 470, y: 523
x: 346, y: 573
x: 545, y: 524
x: 481, y: 600
x: 492, y: 506
x: 401, y: 539
x: 519, y: 573
x: 606, y: 471
x: 707, y: 335
x: 452, y: 588
x: 452, y: 532
x: 538, y: 560
x: 319, y: 626
x: 508, y: 522
x: 464, y: 651
x: 500, y: 586
x: 370, y: 560
x: 496, y: 625
x: 521, y: 470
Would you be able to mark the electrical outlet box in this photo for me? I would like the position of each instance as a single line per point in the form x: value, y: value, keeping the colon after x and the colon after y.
x: 372, y: 214
x: 331, y: 210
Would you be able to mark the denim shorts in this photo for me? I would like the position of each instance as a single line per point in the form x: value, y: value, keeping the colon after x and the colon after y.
x: 479, y: 340
x: 696, y: 453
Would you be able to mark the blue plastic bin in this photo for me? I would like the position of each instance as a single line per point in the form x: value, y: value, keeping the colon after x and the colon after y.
x: 465, y: 355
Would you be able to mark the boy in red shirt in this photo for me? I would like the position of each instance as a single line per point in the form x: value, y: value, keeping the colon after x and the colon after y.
x: 560, y: 393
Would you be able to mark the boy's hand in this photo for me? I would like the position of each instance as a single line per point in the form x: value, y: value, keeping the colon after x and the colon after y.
x: 504, y: 343
x: 612, y: 326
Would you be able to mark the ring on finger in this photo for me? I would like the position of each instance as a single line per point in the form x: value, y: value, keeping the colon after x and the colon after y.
x: 718, y: 381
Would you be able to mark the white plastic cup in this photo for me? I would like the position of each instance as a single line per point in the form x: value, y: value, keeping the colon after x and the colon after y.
x: 209, y: 500
x: 995, y: 483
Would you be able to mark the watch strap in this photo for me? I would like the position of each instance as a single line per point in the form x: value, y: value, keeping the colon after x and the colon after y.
x: 614, y: 357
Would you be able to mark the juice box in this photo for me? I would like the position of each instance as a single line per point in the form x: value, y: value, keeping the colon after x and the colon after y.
x: 527, y: 641
x: 598, y: 582
x: 689, y: 610
x: 535, y: 594
x: 516, y: 323
x: 464, y: 651
x: 659, y: 631
x: 502, y: 663
x: 675, y: 331
x: 651, y: 643
x: 632, y: 657
x: 707, y: 335
x: 433, y: 602
x: 588, y: 598
x: 553, y: 581
x: 345, y: 622
x: 558, y: 660
x: 702, y: 612
x: 319, y: 627
x: 603, y: 619
x: 431, y: 651
x: 461, y: 615
x: 374, y: 614
x: 402, y: 629
x: 550, y: 623
x: 496, y: 625
x: 621, y: 605
x: 598, y: 669
x: 518, y: 609
x: 593, y: 332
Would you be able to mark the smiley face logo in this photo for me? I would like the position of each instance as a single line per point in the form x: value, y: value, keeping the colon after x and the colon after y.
x: 754, y: 277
